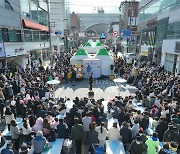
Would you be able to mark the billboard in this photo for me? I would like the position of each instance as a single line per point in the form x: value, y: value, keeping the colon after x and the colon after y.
x: 95, y: 65
x: 2, y: 51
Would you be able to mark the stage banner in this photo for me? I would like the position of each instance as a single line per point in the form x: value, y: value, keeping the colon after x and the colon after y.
x: 92, y: 66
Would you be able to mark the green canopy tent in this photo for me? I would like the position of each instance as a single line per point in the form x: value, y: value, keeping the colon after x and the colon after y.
x: 106, y: 61
x: 79, y: 56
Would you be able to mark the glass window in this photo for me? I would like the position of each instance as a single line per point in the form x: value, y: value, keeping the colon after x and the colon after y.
x: 5, y: 34
x: 42, y: 16
x: 14, y: 35
x: 174, y: 31
x: 25, y: 8
x: 36, y: 35
x: 28, y: 35
x: 44, y: 36
x: 34, y: 11
x: 8, y: 5
x: 155, y: 7
x: 1, y: 37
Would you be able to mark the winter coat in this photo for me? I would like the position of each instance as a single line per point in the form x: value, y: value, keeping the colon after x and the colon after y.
x: 103, y: 135
x: 38, y: 125
x: 168, y: 135
x: 135, y: 129
x: 62, y: 130
x: 15, y: 132
x: 92, y: 137
x: 160, y: 129
x: 136, y: 148
x: 126, y: 135
x: 86, y: 122
x: 7, y: 151
x: 26, y: 131
x: 39, y: 143
x: 8, y: 118
x: 77, y: 132
x: 152, y: 146
x: 114, y: 134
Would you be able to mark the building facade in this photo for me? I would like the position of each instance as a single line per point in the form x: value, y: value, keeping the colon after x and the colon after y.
x: 59, y: 23
x: 87, y: 20
x: 24, y: 32
x: 158, y: 25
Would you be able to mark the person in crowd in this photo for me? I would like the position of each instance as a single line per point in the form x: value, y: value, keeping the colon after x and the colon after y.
x: 77, y: 135
x: 153, y: 144
x: 113, y: 132
x: 166, y: 149
x: 126, y: 134
x: 26, y: 131
x: 135, y: 128
x: 92, y: 137
x: 136, y: 146
x: 15, y: 134
x: 9, y: 116
x: 143, y: 139
x: 8, y: 149
x: 62, y: 129
x: 102, y: 134
x: 39, y: 142
x: 39, y: 125
x: 3, y: 143
x: 161, y: 128
x: 24, y: 149
x: 86, y: 121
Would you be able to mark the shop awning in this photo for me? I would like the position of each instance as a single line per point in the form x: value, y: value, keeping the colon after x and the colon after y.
x: 30, y: 24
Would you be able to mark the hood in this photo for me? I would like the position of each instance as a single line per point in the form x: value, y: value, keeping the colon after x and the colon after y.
x: 39, y: 121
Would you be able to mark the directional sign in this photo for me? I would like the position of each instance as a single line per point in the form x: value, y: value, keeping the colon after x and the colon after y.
x: 115, y: 33
x: 102, y: 36
x: 58, y: 33
x: 125, y: 32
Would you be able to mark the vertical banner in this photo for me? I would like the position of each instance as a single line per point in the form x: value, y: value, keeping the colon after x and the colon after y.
x: 92, y: 66
x: 2, y: 51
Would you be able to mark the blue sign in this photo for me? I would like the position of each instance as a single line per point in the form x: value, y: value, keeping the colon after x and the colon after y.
x: 132, y: 39
x: 125, y: 32
x: 58, y: 33
x: 102, y: 36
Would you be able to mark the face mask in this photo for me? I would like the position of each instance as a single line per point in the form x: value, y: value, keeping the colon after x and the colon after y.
x: 138, y: 142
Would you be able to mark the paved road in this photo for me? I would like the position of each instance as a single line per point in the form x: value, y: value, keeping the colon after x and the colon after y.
x: 102, y: 88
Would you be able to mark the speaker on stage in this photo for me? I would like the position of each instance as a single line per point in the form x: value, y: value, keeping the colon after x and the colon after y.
x: 112, y: 67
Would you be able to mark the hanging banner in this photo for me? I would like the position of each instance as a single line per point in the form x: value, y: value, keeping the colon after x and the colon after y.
x: 92, y: 66
x: 2, y: 51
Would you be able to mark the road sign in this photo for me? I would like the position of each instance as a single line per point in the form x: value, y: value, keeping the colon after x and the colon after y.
x: 115, y: 33
x: 102, y: 36
x: 125, y: 32
x: 132, y: 39
x: 58, y: 32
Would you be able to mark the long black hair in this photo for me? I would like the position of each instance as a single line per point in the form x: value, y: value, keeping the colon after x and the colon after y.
x: 102, y: 125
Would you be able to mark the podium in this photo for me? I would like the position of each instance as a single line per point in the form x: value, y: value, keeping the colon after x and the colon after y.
x: 90, y: 93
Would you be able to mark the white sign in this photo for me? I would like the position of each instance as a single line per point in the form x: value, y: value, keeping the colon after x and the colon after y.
x: 95, y: 67
x: 115, y: 33
x: 2, y: 51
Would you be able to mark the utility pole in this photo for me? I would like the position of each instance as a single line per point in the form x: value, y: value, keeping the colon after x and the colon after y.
x: 50, y: 43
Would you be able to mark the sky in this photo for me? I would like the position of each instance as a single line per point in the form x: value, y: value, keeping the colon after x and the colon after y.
x: 91, y: 6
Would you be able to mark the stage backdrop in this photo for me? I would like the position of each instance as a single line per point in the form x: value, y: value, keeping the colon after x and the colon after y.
x: 95, y: 66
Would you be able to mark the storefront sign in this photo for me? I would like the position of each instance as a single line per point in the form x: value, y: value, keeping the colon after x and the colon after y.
x: 2, y: 51
x: 19, y: 50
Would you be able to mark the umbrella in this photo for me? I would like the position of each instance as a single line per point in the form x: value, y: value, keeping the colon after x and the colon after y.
x: 119, y: 80
x: 53, y: 82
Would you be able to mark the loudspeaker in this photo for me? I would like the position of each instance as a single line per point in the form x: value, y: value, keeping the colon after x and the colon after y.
x: 90, y: 93
x: 112, y: 66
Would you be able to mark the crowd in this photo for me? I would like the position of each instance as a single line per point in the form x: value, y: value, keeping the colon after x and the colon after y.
x: 86, y: 122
